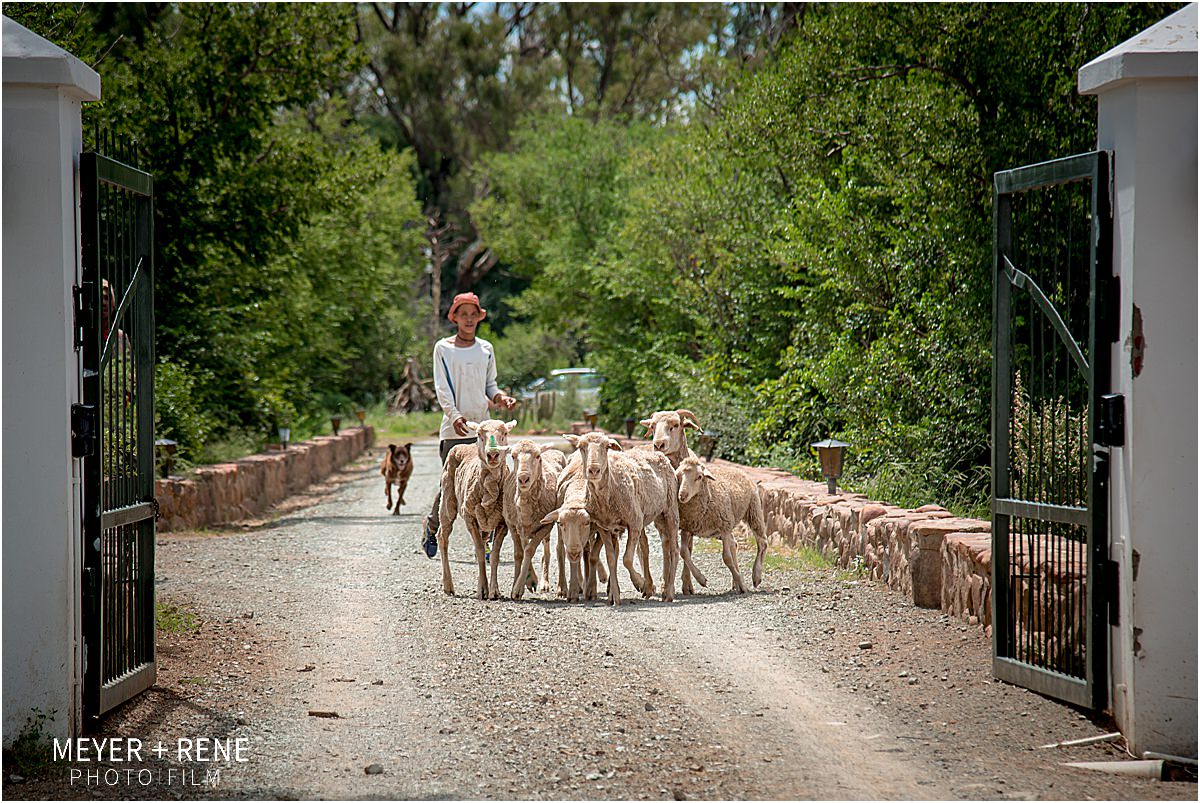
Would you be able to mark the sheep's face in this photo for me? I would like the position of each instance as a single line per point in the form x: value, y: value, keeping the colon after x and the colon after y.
x: 491, y: 439
x: 527, y: 462
x: 668, y: 430
x: 574, y: 528
x: 691, y: 475
x: 593, y: 452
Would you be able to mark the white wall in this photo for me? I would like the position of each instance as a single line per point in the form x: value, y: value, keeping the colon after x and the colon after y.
x: 1147, y: 117
x: 41, y: 540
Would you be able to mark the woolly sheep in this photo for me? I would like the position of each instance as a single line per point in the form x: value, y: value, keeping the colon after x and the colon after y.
x: 581, y: 538
x: 712, y: 500
x: 530, y: 492
x: 668, y: 435
x: 473, y: 483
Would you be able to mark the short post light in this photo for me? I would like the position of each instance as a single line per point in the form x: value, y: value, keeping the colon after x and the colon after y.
x: 362, y: 416
x: 590, y: 417
x: 831, y: 453
x: 167, y: 447
x: 285, y: 434
x: 707, y: 443
x: 335, y: 421
x: 630, y: 423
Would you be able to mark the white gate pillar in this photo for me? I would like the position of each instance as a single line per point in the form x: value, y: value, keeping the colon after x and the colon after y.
x: 1147, y: 117
x: 44, y: 87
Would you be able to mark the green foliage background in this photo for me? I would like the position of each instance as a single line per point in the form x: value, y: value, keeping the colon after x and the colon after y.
x: 777, y: 216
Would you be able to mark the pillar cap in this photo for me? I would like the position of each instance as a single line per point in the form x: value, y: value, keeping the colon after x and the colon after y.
x: 30, y: 60
x: 1165, y: 50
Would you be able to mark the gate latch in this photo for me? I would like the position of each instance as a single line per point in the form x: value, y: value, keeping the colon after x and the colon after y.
x: 1110, y: 424
x: 83, y: 430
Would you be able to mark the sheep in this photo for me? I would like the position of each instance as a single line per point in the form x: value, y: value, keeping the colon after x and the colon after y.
x: 627, y: 491
x: 668, y: 434
x: 712, y: 500
x: 530, y: 492
x: 580, y: 538
x: 473, y: 483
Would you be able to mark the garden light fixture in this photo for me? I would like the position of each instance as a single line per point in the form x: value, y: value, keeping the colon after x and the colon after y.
x: 335, y: 421
x: 362, y: 416
x: 168, y: 446
x: 630, y: 423
x: 285, y: 433
x: 707, y: 443
x: 831, y: 453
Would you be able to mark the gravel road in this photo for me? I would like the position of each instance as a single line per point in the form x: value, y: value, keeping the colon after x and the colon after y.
x: 323, y: 637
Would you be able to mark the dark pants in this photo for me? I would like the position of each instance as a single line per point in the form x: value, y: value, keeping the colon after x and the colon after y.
x: 444, y: 448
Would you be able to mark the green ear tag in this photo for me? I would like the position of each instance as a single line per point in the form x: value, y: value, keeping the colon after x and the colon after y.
x: 492, y: 441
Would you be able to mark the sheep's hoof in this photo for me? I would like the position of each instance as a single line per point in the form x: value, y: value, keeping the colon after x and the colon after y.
x: 648, y: 589
x: 668, y: 597
x: 687, y: 589
x: 448, y: 590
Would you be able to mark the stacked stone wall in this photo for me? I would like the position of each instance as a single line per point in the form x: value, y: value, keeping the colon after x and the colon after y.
x: 229, y: 492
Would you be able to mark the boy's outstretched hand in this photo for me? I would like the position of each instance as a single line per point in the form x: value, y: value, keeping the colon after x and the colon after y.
x: 501, y: 400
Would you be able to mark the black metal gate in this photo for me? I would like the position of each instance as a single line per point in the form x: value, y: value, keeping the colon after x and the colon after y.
x: 115, y: 430
x: 1053, y: 320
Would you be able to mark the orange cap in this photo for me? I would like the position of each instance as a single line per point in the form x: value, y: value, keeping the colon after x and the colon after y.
x: 465, y: 298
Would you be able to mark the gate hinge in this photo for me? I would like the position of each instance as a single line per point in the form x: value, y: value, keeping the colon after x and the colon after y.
x: 157, y: 510
x: 83, y: 306
x: 83, y: 430
x: 1108, y: 583
x: 1110, y: 423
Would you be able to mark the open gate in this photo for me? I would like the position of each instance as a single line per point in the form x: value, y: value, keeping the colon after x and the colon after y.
x: 114, y: 431
x: 1053, y: 320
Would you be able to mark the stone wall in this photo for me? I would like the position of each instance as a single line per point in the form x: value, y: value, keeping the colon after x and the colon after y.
x: 940, y: 560
x: 228, y: 492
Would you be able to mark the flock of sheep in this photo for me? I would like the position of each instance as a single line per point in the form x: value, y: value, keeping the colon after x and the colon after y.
x: 601, y: 492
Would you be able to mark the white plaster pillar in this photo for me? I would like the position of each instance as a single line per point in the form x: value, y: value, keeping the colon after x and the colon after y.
x: 1147, y: 116
x: 44, y: 87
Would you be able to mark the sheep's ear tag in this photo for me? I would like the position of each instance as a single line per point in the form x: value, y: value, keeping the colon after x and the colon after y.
x: 492, y: 441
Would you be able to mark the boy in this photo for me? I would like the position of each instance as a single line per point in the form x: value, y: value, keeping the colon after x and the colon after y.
x: 464, y: 376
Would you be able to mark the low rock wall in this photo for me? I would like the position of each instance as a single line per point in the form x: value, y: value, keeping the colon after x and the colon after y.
x: 228, y: 492
x: 940, y: 560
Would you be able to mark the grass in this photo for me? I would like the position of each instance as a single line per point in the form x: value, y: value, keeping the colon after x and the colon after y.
x: 30, y: 753
x: 172, y: 619
x: 779, y: 556
x: 801, y: 558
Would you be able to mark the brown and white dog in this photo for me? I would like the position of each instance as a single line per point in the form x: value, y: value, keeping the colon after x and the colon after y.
x: 396, y: 469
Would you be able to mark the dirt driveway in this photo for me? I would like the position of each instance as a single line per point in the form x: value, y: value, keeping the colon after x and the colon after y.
x: 323, y: 639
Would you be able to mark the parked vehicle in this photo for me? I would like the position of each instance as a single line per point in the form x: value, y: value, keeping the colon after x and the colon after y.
x: 576, y: 387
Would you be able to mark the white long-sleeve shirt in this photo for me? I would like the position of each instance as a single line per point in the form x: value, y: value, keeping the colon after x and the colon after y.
x: 465, y: 379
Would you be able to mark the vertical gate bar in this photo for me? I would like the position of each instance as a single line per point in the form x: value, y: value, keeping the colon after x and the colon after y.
x: 1001, y: 413
x: 145, y: 239
x: 1098, y: 339
x: 92, y: 566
